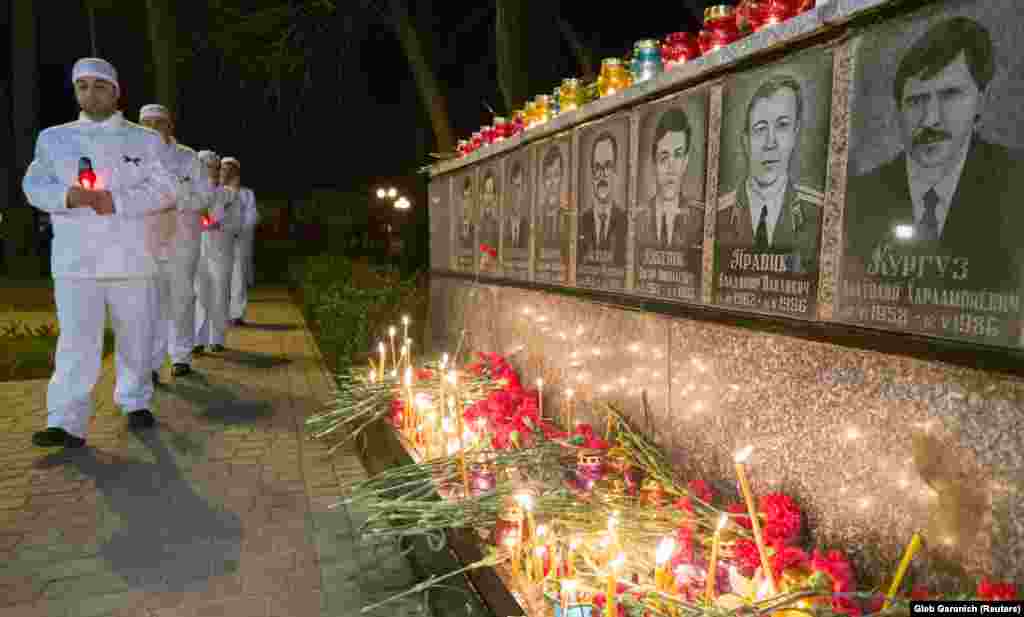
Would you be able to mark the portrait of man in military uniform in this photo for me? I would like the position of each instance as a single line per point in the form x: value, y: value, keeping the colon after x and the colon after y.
x: 489, y: 200
x: 603, y: 225
x: 770, y: 211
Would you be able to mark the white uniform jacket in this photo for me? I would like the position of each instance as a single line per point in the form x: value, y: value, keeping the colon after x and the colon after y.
x: 128, y: 161
x: 195, y: 193
x: 219, y: 244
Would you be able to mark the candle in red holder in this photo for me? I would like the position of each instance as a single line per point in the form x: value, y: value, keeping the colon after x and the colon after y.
x: 719, y: 28
x: 463, y: 148
x: 778, y: 11
x: 502, y: 129
x: 487, y: 135
x: 476, y: 141
x: 518, y: 121
x: 679, y: 47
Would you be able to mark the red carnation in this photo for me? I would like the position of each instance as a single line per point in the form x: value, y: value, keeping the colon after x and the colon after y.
x: 920, y: 592
x: 988, y: 590
x: 746, y: 557
x: 424, y: 374
x: 785, y: 557
x: 838, y: 568
x: 781, y: 518
x: 744, y: 518
x: 489, y: 250
x: 701, y: 490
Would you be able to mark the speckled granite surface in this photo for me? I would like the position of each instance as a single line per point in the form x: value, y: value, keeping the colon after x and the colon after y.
x: 873, y: 446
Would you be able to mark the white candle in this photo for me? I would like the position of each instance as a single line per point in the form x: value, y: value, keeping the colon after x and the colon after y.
x: 540, y: 397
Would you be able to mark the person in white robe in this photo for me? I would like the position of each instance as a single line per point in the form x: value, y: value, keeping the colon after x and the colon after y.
x: 216, y: 265
x: 178, y: 259
x: 243, y: 276
x: 101, y: 179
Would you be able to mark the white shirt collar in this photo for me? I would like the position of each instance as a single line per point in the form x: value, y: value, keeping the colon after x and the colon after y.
x: 771, y: 196
x: 667, y: 209
x: 946, y: 188
x: 114, y: 121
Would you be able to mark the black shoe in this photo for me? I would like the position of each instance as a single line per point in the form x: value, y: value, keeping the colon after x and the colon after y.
x: 180, y: 369
x: 198, y: 350
x: 54, y: 437
x: 216, y: 348
x: 141, y: 419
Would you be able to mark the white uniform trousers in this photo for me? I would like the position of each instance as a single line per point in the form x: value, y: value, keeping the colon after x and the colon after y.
x: 81, y: 312
x: 214, y: 298
x: 182, y: 327
x: 162, y: 312
x: 241, y: 274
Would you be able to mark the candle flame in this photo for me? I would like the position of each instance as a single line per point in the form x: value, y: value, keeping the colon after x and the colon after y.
x: 618, y: 561
x: 569, y: 392
x: 444, y: 358
x: 540, y: 550
x: 541, y: 530
x: 525, y: 501
x: 405, y: 320
x: 570, y: 585
x: 380, y: 347
x: 510, y: 541
x: 452, y: 377
x: 744, y: 454
x: 540, y: 383
x: 391, y: 332
x: 408, y: 375
x: 666, y: 547
x: 722, y: 522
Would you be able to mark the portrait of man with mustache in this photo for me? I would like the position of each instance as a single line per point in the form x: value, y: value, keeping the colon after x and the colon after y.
x: 950, y: 192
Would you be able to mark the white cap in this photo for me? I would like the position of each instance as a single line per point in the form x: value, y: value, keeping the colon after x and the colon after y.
x: 230, y: 160
x: 95, y: 67
x: 208, y: 155
x: 154, y: 110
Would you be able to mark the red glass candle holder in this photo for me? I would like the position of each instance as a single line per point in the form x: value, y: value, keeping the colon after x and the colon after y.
x: 476, y: 141
x: 502, y: 128
x: 777, y: 11
x: 719, y: 28
x: 680, y: 47
x: 487, y: 135
x: 463, y: 148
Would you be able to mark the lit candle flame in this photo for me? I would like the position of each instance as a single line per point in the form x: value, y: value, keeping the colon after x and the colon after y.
x: 444, y: 359
x: 391, y: 332
x: 570, y: 585
x: 540, y: 550
x: 569, y: 392
x: 540, y: 383
x: 666, y: 547
x: 541, y: 530
x: 525, y: 501
x: 408, y: 376
x: 617, y: 562
x: 405, y: 320
x: 722, y: 522
x: 452, y: 377
x: 742, y: 455
x: 380, y: 347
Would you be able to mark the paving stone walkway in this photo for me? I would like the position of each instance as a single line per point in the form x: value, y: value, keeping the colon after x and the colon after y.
x: 222, y: 510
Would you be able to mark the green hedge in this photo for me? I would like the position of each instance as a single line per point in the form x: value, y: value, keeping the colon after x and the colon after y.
x: 350, y: 307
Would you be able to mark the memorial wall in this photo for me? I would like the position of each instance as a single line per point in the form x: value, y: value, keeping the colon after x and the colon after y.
x: 761, y: 247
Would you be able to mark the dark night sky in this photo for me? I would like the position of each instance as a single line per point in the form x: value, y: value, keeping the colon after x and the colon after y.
x: 370, y: 127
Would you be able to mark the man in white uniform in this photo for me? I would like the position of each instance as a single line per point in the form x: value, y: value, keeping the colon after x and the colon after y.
x: 179, y: 259
x: 101, y: 179
x: 243, y: 276
x: 216, y: 266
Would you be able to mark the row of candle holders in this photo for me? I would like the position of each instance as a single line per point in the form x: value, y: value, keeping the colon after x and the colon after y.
x: 723, y: 25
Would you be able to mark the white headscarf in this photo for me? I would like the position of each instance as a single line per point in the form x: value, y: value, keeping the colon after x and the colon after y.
x: 95, y: 67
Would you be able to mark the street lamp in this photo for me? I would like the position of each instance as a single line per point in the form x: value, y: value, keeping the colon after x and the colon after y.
x: 381, y: 193
x: 402, y: 204
x: 392, y: 192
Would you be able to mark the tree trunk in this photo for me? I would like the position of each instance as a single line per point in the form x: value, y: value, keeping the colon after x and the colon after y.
x: 527, y: 41
x: 24, y: 97
x: 163, y: 43
x: 426, y: 80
